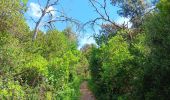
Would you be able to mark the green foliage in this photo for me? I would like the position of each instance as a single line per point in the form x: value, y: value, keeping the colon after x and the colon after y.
x: 12, y: 20
x: 11, y: 61
x: 38, y: 69
x: 24, y: 1
x: 164, y: 6
x: 43, y: 69
x: 11, y: 90
x: 134, y: 65
x: 155, y: 79
x: 127, y: 64
x: 11, y: 54
x: 134, y: 9
x: 111, y: 69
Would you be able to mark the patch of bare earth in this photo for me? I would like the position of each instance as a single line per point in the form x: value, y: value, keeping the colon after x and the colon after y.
x: 86, y: 94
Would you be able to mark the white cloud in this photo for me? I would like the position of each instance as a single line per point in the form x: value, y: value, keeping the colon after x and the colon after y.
x: 51, y: 10
x: 35, y: 10
x: 86, y: 40
x: 122, y: 20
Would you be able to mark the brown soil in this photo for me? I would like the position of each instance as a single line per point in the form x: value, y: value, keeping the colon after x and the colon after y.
x: 86, y: 94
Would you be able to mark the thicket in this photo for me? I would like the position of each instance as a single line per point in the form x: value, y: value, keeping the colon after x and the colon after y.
x: 128, y: 63
x: 134, y: 64
x: 42, y: 69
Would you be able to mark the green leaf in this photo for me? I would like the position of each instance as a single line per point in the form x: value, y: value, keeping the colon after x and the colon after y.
x: 24, y: 1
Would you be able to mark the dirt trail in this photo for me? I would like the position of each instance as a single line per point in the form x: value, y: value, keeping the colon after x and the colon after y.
x: 86, y: 94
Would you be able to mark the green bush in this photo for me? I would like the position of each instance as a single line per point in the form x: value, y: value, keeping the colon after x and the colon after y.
x: 112, y: 72
x: 134, y: 65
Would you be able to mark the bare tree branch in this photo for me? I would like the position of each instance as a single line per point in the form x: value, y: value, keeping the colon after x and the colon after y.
x: 101, y: 10
x: 48, y: 12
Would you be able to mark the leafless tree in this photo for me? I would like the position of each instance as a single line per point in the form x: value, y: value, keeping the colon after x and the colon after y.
x: 103, y: 15
x: 46, y: 11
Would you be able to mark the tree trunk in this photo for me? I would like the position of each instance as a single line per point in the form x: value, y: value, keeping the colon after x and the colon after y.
x: 37, y: 26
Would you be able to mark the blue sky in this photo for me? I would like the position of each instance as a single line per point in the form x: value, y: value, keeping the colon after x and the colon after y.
x: 77, y: 9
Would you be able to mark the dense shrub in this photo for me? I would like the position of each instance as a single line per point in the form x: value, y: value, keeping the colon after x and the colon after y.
x: 111, y: 68
x: 134, y: 65
x: 46, y: 68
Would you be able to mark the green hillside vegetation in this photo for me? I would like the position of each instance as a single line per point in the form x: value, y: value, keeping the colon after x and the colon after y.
x: 126, y: 64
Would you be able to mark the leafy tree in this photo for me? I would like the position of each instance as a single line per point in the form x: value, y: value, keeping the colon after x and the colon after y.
x: 9, y: 15
x: 155, y: 80
x: 133, y: 9
x: 134, y: 64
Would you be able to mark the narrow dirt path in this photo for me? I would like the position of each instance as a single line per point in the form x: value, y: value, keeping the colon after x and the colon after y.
x: 86, y: 94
